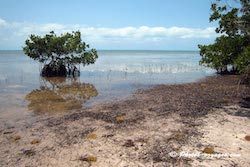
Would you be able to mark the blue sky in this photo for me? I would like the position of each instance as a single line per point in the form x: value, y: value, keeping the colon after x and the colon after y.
x: 110, y: 24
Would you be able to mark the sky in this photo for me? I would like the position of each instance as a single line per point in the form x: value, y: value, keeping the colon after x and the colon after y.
x: 110, y: 24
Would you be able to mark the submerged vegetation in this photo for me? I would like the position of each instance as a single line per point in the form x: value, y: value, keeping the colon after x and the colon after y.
x: 231, y: 51
x: 60, y: 96
x: 60, y: 54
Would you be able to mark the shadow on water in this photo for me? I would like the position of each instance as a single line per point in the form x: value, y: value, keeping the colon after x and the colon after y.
x: 59, y: 94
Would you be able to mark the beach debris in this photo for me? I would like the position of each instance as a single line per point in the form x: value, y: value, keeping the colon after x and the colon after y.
x: 120, y: 119
x: 142, y: 140
x: 29, y: 153
x: 180, y: 135
x: 245, y: 102
x: 88, y: 158
x: 92, y: 136
x: 108, y: 135
x: 35, y: 141
x: 199, y: 145
x: 247, y: 137
x: 209, y: 150
x: 129, y: 143
x: 17, y: 137
x: 226, y: 100
x: 7, y: 132
x: 203, y: 84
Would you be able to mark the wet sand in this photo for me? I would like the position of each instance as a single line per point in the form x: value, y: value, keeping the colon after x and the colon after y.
x: 209, y: 116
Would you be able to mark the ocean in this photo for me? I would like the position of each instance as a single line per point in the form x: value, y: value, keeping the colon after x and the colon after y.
x: 114, y: 76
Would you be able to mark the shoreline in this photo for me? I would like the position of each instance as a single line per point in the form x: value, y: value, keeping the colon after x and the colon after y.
x: 139, y: 131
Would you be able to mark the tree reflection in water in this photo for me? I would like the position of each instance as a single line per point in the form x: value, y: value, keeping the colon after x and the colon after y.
x: 60, y: 94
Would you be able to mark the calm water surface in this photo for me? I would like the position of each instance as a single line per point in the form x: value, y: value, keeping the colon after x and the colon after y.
x: 115, y: 75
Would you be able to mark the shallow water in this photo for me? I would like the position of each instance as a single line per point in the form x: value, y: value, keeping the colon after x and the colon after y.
x: 115, y: 75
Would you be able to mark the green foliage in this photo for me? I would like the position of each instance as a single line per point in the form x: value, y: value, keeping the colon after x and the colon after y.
x: 63, y: 51
x: 232, y: 47
x: 243, y: 60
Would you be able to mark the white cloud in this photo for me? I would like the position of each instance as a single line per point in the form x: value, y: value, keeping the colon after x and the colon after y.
x: 146, y: 33
x: 2, y: 22
x: 21, y: 31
